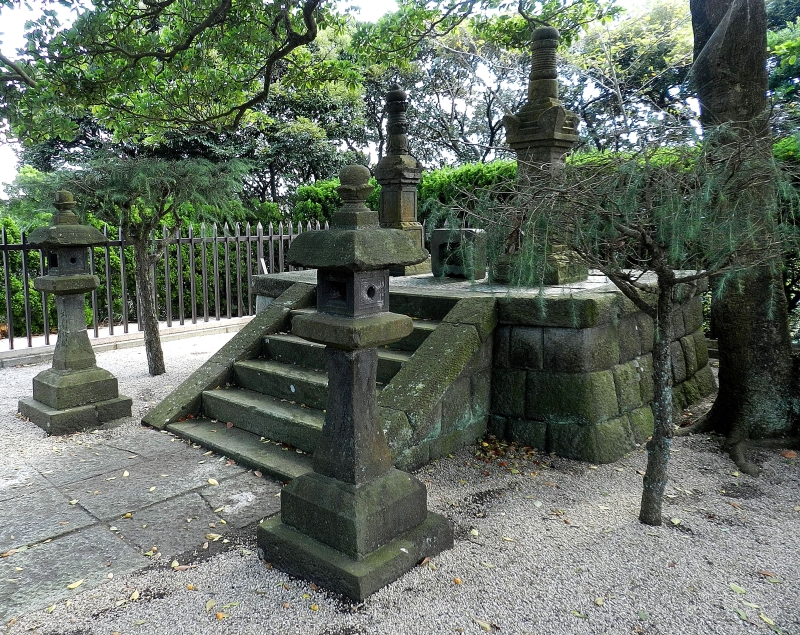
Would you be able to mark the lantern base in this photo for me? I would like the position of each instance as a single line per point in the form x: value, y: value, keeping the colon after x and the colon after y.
x: 74, y: 419
x: 299, y: 555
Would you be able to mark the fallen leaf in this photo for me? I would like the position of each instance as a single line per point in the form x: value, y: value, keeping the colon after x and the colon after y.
x: 50, y: 609
x: 229, y: 424
x: 125, y: 474
x: 286, y: 605
x: 190, y: 587
x: 75, y: 585
x: 174, y: 564
x: 258, y: 474
x: 487, y: 565
x: 737, y: 589
x: 314, y: 607
x: 458, y: 581
x: 213, y: 537
x: 643, y: 616
x: 676, y: 521
x: 210, y: 605
x: 484, y: 626
x: 507, y: 539
x: 735, y: 474
x: 152, y: 489
x: 742, y: 615
x: 766, y: 574
x: 579, y: 614
x: 222, y: 616
x: 474, y: 532
x: 212, y: 481
x: 230, y: 605
x: 751, y: 605
x: 599, y: 601
x: 139, y: 622
x: 766, y: 619
x: 134, y: 596
x: 74, y: 502
x: 735, y: 504
x: 789, y: 454
x: 424, y: 562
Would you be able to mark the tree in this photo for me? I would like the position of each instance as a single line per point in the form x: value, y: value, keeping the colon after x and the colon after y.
x: 755, y: 398
x: 138, y: 195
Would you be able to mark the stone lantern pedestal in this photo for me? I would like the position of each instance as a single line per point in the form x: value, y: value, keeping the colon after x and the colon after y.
x: 74, y: 394
x: 355, y: 523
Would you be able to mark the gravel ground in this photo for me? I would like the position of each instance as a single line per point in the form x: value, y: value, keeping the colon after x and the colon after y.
x: 543, y: 545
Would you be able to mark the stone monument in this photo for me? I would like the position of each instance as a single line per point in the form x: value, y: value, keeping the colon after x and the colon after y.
x: 398, y: 174
x: 355, y: 523
x: 541, y: 133
x: 74, y: 394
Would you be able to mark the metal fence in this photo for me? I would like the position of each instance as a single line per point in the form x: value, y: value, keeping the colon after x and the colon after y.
x: 199, y: 277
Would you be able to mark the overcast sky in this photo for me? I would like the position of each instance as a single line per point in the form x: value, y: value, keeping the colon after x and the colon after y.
x: 13, y: 26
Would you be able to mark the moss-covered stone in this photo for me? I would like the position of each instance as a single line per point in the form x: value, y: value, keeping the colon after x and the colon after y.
x: 691, y: 392
x: 413, y: 457
x: 424, y: 379
x: 481, y: 383
x: 497, y: 426
x: 642, y: 424
x: 478, y: 312
x: 448, y: 443
x: 678, y: 362
x: 692, y: 314
x: 502, y: 347
x: 576, y: 398
x: 700, y: 348
x: 581, y: 310
x: 528, y: 432
x: 457, y: 405
x: 527, y: 347
x: 626, y: 382
x: 396, y: 429
x: 421, y: 304
x: 647, y: 332
x: 689, y: 354
x: 344, y: 332
x: 579, y: 350
x: 646, y: 378
x: 602, y: 443
x: 630, y: 339
x: 704, y: 378
x: 678, y: 327
x: 508, y: 392
x: 679, y: 401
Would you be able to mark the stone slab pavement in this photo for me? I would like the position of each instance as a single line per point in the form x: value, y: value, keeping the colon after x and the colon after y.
x: 107, y: 507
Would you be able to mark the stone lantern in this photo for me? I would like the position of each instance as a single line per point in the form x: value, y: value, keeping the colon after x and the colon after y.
x: 74, y: 394
x: 355, y: 523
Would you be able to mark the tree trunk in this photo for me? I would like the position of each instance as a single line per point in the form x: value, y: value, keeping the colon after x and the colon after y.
x: 658, y: 447
x: 750, y: 319
x: 145, y: 286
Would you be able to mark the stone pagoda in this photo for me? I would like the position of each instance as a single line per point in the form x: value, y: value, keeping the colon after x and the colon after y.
x: 541, y: 134
x: 74, y: 394
x: 355, y: 523
x: 398, y: 174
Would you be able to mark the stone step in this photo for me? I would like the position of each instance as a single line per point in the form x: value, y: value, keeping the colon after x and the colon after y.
x: 284, y: 381
x: 265, y: 416
x: 271, y: 459
x: 422, y: 328
x: 291, y: 349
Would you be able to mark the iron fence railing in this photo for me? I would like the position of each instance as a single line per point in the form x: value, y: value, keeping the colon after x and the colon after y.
x: 202, y: 274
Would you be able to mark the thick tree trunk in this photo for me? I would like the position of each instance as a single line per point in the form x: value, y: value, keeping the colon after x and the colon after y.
x: 750, y: 319
x: 658, y: 447
x: 147, y: 309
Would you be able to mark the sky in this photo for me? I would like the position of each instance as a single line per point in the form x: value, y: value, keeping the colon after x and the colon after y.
x: 11, y: 38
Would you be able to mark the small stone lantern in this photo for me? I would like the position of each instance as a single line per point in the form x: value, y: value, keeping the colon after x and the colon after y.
x: 355, y: 523
x: 74, y: 394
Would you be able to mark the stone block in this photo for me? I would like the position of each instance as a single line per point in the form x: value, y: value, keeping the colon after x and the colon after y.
x: 692, y: 314
x: 691, y: 392
x: 583, y: 309
x: 75, y: 419
x: 421, y: 304
x: 575, y: 398
x: 354, y: 519
x: 579, y: 350
x: 509, y: 392
x: 678, y: 362
x: 630, y: 339
x: 413, y: 457
x: 497, y: 426
x: 60, y: 389
x: 449, y: 443
x: 678, y: 327
x: 481, y: 393
x: 396, y: 429
x: 646, y: 378
x: 502, y: 347
x: 457, y: 405
x: 344, y: 332
x: 482, y: 360
x: 679, y: 401
x: 527, y: 347
x: 704, y: 378
x: 689, y: 354
x: 479, y: 312
x: 647, y: 331
x: 642, y: 424
x: 700, y: 348
x: 528, y: 433
x: 602, y: 443
x: 626, y: 382
x: 458, y: 253
x: 423, y: 380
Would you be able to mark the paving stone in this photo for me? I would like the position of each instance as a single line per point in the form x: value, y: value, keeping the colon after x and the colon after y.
x: 149, y: 443
x: 18, y: 480
x: 77, y: 464
x: 148, y: 483
x: 244, y: 499
x: 38, y: 516
x: 89, y: 554
x: 174, y: 526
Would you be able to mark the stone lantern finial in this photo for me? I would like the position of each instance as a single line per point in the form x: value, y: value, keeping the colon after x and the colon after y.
x: 64, y: 203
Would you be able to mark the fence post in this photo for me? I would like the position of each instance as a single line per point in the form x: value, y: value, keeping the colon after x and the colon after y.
x: 122, y: 273
x: 109, y: 295
x: 192, y: 287
x: 7, y: 281
x: 45, y: 300
x: 204, y: 269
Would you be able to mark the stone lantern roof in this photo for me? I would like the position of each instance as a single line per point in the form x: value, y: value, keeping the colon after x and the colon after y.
x: 66, y: 229
x: 355, y: 242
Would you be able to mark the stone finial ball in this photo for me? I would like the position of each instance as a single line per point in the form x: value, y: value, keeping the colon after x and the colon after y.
x: 354, y: 176
x: 64, y: 200
x: 545, y: 33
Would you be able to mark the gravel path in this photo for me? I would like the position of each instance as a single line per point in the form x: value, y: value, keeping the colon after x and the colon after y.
x: 543, y: 545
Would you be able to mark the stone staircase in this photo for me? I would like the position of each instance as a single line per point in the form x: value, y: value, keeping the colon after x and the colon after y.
x: 269, y: 416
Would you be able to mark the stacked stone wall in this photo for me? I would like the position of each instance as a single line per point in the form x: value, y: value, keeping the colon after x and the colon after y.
x: 585, y: 391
